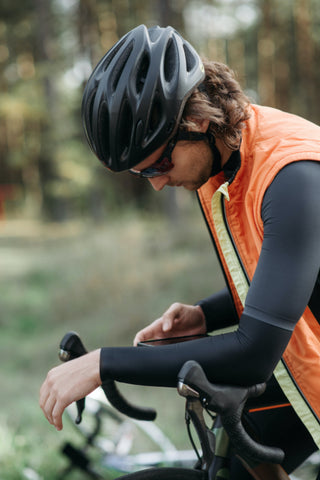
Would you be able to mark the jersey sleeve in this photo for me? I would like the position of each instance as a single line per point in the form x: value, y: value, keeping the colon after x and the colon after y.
x: 283, y: 283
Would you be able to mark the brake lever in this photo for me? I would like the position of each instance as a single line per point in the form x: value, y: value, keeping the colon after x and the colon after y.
x: 71, y: 347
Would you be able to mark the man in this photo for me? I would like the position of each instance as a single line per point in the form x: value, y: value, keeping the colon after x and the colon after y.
x: 152, y: 107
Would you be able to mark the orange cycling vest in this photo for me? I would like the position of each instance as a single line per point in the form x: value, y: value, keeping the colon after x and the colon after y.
x: 271, y: 139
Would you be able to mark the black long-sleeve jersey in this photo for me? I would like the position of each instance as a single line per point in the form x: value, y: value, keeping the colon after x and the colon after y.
x: 286, y: 280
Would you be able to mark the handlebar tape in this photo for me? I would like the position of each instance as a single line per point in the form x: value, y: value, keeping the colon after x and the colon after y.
x: 117, y: 400
x: 72, y: 347
x: 228, y: 402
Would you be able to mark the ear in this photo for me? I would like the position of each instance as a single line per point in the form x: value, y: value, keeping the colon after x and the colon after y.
x: 198, y: 125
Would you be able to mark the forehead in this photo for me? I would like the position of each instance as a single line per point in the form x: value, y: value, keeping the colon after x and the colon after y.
x: 147, y: 162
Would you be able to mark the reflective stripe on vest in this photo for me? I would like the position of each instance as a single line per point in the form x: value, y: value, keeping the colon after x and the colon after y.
x: 238, y: 281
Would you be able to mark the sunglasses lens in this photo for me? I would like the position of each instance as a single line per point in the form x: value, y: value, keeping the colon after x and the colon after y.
x: 161, y: 166
x: 154, y: 170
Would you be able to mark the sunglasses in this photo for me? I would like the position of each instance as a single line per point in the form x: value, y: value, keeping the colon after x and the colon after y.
x: 162, y: 166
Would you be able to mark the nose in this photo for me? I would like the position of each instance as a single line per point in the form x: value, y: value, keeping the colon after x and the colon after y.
x: 158, y: 183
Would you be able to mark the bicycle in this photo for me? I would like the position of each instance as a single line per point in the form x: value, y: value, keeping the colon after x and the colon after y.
x: 226, y: 435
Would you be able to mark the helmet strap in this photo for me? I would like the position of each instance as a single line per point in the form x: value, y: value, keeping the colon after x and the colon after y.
x: 216, y: 164
x: 191, y: 136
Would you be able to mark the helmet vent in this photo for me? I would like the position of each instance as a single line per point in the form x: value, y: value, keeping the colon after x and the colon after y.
x: 155, y: 116
x: 190, y: 60
x: 125, y: 131
x: 103, y: 133
x: 88, y: 115
x: 119, y: 67
x: 142, y: 73
x: 111, y: 54
x: 170, y: 61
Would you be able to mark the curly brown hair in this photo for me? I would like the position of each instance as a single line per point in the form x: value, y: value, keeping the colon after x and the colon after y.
x: 223, y: 103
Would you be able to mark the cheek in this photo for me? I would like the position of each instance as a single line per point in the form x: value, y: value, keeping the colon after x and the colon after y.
x: 199, y: 164
x: 191, y: 160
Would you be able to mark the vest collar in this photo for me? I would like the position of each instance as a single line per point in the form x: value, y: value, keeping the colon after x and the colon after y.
x: 230, y: 168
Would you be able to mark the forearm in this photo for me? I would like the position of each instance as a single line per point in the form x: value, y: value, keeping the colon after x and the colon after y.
x: 243, y: 357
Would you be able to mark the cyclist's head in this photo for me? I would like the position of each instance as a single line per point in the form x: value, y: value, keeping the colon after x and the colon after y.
x: 134, y: 99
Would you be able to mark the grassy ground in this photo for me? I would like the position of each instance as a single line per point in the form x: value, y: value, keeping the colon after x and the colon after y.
x: 105, y: 282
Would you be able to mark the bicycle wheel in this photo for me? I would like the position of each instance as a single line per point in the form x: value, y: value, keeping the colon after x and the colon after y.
x: 167, y: 474
x: 124, y: 444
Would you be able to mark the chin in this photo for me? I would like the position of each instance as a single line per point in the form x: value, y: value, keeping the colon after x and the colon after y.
x: 194, y: 186
x: 191, y: 188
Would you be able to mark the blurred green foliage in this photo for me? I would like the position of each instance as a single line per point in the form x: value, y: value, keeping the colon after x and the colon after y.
x: 49, y: 47
x: 106, y: 283
x: 99, y: 267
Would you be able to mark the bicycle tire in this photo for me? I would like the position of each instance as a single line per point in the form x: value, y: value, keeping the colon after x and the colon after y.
x: 117, y: 433
x: 167, y: 474
x: 123, y: 444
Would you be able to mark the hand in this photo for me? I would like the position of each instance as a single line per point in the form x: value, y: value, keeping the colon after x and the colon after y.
x: 179, y: 319
x: 67, y: 383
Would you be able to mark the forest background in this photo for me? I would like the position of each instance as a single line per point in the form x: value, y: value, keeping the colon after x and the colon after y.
x: 86, y: 250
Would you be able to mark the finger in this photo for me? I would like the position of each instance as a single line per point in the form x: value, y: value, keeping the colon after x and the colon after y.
x: 46, y: 402
x: 170, y: 317
x: 47, y: 407
x: 153, y: 330
x: 48, y: 397
x: 57, y: 412
x: 137, y: 339
x: 145, y: 334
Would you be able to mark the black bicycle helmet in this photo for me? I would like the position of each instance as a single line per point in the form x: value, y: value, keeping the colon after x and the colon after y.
x: 133, y: 101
